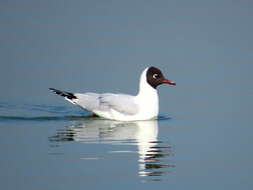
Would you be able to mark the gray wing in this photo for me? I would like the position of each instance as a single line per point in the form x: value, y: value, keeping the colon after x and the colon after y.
x: 120, y: 102
x: 88, y: 101
x: 105, y: 102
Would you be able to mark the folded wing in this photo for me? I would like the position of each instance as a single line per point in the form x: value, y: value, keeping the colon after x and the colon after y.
x: 121, y: 103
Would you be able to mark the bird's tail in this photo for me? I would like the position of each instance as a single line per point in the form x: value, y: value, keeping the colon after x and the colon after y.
x: 67, y: 95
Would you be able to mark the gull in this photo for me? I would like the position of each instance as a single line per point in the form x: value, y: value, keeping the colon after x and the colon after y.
x: 123, y: 107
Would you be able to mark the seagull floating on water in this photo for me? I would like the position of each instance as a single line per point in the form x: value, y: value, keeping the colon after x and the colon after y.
x: 123, y: 107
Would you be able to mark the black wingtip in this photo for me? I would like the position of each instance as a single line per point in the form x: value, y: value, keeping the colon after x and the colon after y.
x: 68, y: 95
x: 52, y: 89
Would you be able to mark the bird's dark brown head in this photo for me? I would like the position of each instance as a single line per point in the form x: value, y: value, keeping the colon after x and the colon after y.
x: 155, y: 77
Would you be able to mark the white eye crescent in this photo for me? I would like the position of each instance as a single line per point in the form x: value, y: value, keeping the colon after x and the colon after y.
x: 155, y: 76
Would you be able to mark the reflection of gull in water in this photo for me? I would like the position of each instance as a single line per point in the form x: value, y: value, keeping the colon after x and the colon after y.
x: 141, y: 133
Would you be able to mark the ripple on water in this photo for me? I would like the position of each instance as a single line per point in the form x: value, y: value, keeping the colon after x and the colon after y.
x: 140, y: 137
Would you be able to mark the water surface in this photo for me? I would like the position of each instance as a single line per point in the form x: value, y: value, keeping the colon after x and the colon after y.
x: 203, y: 137
x: 80, y: 147
x: 56, y: 151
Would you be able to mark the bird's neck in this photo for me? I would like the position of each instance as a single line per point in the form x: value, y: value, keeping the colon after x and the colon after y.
x: 146, y: 90
x: 147, y: 95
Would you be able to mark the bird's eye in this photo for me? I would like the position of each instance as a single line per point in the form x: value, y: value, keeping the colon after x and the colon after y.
x: 155, y: 76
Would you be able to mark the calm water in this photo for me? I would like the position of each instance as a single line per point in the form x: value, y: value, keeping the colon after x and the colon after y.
x: 203, y: 137
x: 58, y: 148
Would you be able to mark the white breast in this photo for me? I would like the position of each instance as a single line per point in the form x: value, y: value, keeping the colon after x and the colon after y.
x: 143, y: 106
x: 147, y: 100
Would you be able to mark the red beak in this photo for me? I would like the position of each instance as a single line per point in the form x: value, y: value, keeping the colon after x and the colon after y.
x: 165, y: 81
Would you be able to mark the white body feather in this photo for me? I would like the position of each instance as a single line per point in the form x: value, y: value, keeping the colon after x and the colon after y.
x: 122, y: 107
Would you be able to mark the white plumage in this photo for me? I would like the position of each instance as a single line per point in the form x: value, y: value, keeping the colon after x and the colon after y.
x: 123, y: 107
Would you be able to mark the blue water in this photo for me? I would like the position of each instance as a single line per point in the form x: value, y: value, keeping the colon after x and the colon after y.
x: 203, y: 136
x: 57, y: 151
x: 61, y: 147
